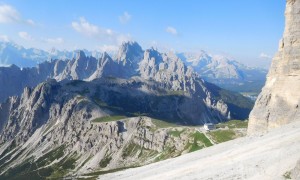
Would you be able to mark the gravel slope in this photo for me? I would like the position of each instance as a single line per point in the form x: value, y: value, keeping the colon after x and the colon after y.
x: 267, y: 156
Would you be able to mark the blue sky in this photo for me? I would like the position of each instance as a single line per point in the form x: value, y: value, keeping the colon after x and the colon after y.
x: 247, y: 30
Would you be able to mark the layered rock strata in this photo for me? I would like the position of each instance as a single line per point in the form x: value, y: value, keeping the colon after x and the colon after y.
x: 278, y: 104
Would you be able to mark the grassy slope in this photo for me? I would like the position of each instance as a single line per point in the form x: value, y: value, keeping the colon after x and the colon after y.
x: 108, y: 119
x: 228, y: 131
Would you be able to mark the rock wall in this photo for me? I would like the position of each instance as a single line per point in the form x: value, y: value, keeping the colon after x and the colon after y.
x: 278, y: 104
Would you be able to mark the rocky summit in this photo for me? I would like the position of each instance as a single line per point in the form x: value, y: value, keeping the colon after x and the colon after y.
x: 278, y: 104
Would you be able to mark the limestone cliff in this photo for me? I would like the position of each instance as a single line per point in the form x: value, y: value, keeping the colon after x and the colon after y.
x: 278, y: 104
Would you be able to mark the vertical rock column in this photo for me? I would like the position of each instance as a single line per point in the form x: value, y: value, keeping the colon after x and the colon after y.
x: 279, y: 101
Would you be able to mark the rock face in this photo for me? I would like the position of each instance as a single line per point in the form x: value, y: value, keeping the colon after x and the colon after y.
x: 279, y: 102
x: 167, y: 68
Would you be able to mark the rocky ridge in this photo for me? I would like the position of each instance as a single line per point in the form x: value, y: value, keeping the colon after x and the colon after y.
x: 225, y: 72
x: 150, y: 65
x: 129, y: 63
x: 168, y: 69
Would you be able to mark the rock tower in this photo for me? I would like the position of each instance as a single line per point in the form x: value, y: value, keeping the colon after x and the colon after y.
x: 279, y: 101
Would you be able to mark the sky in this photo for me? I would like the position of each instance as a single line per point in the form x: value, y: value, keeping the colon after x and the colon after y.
x: 246, y: 30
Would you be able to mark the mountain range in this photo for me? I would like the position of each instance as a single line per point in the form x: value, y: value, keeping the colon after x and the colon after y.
x: 226, y: 72
x: 166, y: 69
x: 220, y: 70
x: 11, y: 53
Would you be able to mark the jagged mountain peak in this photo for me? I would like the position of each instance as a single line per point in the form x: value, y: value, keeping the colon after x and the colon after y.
x: 80, y: 54
x: 167, y: 68
x: 194, y: 57
x: 153, y: 53
x: 130, y: 44
x: 105, y: 55
x: 129, y: 51
x: 220, y: 70
x: 171, y: 55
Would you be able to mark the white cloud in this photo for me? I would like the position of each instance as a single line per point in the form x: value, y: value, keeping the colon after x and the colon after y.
x: 265, y: 56
x: 25, y: 36
x: 172, y: 30
x: 85, y: 27
x: 93, y: 31
x: 108, y: 48
x: 8, y: 14
x: 54, y: 40
x: 30, y: 22
x: 125, y: 18
x: 4, y: 38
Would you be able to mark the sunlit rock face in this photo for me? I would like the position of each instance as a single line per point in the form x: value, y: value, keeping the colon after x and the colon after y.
x: 278, y: 104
